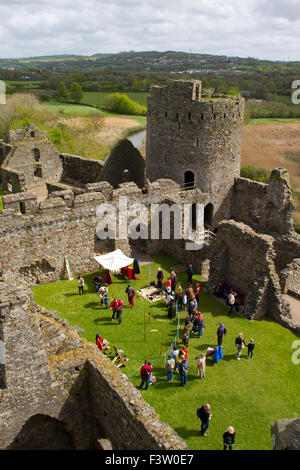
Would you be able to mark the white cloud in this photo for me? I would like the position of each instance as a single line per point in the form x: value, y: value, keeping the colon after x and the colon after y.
x: 260, y: 28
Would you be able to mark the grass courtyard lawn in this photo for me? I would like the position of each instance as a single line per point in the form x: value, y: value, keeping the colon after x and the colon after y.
x: 247, y: 394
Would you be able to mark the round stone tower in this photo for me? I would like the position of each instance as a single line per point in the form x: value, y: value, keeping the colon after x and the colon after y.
x: 195, y: 141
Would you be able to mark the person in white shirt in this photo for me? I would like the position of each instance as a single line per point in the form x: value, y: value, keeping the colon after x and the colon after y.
x: 102, y: 292
x: 80, y: 284
x: 231, y: 301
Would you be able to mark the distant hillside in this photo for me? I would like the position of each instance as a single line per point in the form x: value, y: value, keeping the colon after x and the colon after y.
x: 169, y: 61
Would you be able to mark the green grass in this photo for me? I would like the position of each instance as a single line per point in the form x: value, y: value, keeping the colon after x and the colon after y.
x: 253, y: 122
x: 81, y: 110
x: 98, y: 98
x: 69, y: 108
x: 2, y: 193
x: 247, y: 394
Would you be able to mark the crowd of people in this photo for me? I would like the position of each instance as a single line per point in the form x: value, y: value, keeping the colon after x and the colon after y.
x: 186, y: 299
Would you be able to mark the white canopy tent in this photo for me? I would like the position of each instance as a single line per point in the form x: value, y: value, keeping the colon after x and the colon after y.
x: 114, y: 261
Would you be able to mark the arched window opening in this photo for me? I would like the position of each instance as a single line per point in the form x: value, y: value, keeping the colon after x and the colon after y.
x: 38, y: 172
x: 189, y: 180
x: 194, y: 216
x: 37, y: 155
x: 208, y: 215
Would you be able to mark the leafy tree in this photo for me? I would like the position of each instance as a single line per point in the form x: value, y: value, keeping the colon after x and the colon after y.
x: 77, y: 77
x: 122, y: 104
x: 62, y: 93
x: 76, y: 92
x: 44, y: 97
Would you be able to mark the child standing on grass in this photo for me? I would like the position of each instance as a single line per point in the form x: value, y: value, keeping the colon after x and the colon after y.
x: 106, y: 301
x: 186, y: 338
x: 250, y: 347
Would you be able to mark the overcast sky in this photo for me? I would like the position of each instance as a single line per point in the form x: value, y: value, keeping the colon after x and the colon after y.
x: 257, y: 28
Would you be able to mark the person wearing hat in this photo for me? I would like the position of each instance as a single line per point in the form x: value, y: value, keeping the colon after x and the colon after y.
x: 228, y: 438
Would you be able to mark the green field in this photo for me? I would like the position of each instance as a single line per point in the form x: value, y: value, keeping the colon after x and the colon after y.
x: 253, y: 122
x: 69, y: 108
x: 247, y: 394
x: 26, y: 84
x: 81, y: 110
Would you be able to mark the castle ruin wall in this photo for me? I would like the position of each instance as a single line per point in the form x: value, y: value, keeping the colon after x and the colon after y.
x: 78, y: 170
x: 267, y: 208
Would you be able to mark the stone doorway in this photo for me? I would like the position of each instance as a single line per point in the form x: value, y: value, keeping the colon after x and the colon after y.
x: 189, y: 180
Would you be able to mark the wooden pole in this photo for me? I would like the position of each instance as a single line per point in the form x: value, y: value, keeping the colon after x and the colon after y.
x: 162, y: 339
x: 144, y: 327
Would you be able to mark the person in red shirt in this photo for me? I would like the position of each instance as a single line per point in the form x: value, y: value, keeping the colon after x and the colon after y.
x: 197, y: 292
x: 116, y: 306
x: 146, y: 371
x: 99, y: 342
x: 184, y: 350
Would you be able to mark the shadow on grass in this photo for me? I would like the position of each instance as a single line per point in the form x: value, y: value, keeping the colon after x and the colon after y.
x: 132, y: 341
x: 71, y: 295
x: 187, y: 433
x: 93, y: 305
x: 99, y: 320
